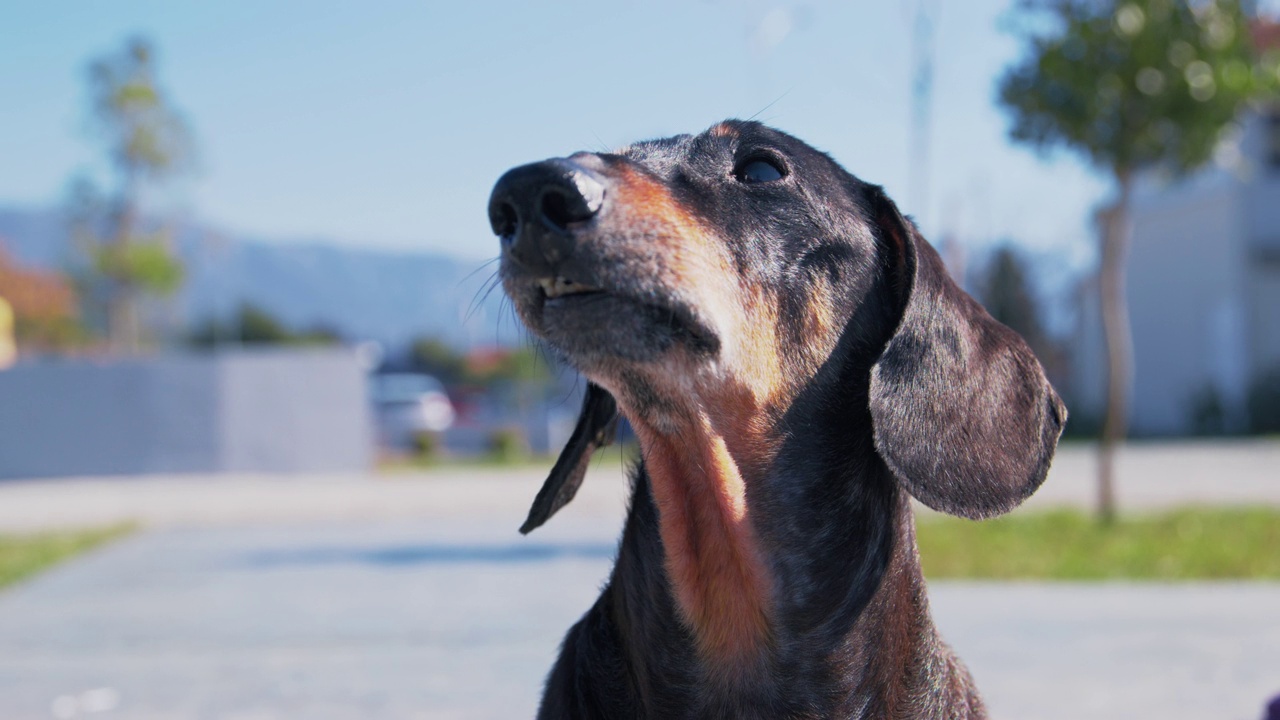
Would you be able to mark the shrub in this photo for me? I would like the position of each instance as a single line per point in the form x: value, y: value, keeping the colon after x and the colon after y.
x: 426, y: 445
x: 507, y: 445
x: 1207, y: 414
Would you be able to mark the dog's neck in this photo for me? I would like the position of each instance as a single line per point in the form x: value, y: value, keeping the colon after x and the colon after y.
x: 718, y: 574
x: 835, y: 588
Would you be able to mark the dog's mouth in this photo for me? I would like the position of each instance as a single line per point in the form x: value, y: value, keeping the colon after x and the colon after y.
x: 558, y: 287
x: 587, y: 321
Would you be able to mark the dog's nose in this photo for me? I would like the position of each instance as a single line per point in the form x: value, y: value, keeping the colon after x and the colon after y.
x: 534, y: 207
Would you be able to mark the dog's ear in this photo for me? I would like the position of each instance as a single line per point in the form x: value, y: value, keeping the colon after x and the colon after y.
x: 963, y: 414
x: 595, y: 429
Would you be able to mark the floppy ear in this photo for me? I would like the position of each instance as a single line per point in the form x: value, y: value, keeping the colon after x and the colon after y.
x: 963, y: 414
x: 595, y: 429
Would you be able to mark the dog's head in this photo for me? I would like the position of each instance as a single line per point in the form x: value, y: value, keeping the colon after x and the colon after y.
x: 720, y: 273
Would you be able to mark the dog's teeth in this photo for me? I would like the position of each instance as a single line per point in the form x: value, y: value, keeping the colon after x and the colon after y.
x: 556, y: 287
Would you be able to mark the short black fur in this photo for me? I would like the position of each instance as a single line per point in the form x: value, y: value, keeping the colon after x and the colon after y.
x: 919, y: 393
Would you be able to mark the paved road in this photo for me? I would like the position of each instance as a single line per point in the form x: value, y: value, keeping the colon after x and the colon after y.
x: 257, y: 598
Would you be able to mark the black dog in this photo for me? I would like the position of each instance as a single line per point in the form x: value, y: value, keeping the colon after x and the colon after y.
x: 795, y: 361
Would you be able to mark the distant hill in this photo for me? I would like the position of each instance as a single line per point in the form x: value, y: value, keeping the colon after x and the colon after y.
x: 365, y: 294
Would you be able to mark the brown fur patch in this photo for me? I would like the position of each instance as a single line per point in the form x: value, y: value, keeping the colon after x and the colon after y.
x: 710, y: 439
x: 723, y: 130
x: 713, y: 560
x: 822, y: 326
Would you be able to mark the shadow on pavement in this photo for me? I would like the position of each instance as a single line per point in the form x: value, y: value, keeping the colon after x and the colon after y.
x: 431, y: 554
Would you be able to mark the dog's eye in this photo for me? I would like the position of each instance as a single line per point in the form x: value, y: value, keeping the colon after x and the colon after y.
x: 759, y: 170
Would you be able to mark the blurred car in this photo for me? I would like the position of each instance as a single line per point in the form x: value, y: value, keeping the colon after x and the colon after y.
x: 406, y: 405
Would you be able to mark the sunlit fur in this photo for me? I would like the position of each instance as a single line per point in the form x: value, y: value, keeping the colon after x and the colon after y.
x: 793, y: 359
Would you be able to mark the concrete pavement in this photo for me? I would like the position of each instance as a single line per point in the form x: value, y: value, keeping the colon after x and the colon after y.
x: 461, y: 619
x: 414, y: 597
x: 1151, y: 475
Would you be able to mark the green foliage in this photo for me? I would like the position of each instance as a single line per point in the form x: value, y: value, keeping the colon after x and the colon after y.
x: 507, y: 446
x: 253, y: 325
x: 436, y: 357
x: 145, y: 136
x: 1133, y: 83
x: 24, y: 555
x: 57, y: 333
x: 1186, y: 544
x: 146, y: 141
x: 1006, y: 293
x: 517, y: 366
x: 427, y: 446
x: 144, y: 263
x: 523, y: 364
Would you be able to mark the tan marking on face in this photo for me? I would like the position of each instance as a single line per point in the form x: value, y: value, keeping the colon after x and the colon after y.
x: 687, y: 257
x: 723, y: 130
x: 822, y: 327
x: 713, y: 438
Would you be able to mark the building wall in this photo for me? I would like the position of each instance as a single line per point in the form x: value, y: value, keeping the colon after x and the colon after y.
x: 1261, y: 197
x: 1260, y: 191
x: 240, y: 411
x: 1203, y: 287
x: 1264, y: 315
x: 1188, y: 303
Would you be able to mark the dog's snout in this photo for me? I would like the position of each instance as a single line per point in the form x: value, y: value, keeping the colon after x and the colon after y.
x: 534, y: 207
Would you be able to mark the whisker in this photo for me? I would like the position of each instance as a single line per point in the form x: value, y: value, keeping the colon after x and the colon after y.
x: 482, y: 266
x: 482, y: 295
x: 771, y: 104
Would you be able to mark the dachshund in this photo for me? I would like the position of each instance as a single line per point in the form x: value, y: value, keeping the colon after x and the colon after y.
x: 796, y: 364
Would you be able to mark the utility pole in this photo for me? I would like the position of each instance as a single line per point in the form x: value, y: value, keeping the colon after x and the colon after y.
x: 921, y: 106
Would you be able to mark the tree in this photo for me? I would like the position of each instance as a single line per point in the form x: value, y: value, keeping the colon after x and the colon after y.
x: 434, y: 356
x: 1133, y: 85
x: 254, y: 325
x: 1006, y: 293
x: 42, y: 306
x: 146, y: 142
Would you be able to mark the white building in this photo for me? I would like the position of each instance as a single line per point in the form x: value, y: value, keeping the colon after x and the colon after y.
x: 1203, y: 288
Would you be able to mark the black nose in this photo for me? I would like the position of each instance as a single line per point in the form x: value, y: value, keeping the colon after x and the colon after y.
x: 533, y: 207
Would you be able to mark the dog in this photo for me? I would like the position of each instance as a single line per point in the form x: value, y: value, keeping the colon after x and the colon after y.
x: 796, y: 364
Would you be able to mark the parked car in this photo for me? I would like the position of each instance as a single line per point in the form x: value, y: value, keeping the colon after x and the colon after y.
x: 406, y: 405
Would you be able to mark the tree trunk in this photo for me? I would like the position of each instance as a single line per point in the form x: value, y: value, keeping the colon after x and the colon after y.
x: 123, y: 330
x: 1119, y: 342
x: 124, y: 327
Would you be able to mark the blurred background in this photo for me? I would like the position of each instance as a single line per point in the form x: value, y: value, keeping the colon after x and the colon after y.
x: 252, y: 353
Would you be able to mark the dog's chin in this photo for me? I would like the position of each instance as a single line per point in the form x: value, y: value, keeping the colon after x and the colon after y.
x: 597, y: 330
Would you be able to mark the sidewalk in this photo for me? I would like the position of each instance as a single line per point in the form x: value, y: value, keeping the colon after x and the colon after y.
x: 461, y: 620
x: 254, y: 598
x: 1151, y: 476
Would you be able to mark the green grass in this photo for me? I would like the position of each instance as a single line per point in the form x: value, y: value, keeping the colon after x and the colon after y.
x: 1185, y: 544
x: 24, y: 555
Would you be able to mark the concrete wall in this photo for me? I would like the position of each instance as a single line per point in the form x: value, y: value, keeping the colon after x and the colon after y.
x: 1262, y: 221
x: 1260, y: 193
x: 285, y: 411
x: 1187, y: 304
x: 1203, y: 288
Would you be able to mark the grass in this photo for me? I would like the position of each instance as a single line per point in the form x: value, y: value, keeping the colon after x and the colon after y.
x: 25, y: 555
x: 1186, y: 544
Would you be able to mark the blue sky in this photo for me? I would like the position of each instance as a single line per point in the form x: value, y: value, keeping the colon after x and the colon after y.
x: 385, y: 124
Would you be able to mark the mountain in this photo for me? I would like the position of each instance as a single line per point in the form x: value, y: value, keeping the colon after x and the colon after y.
x: 381, y: 295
